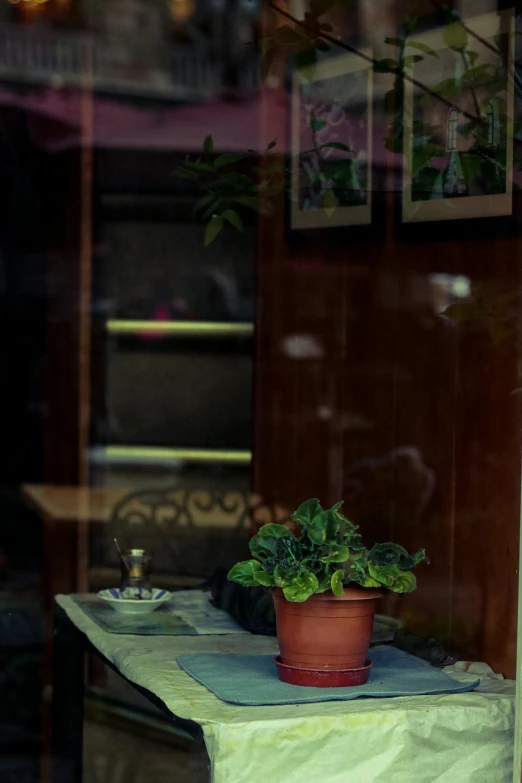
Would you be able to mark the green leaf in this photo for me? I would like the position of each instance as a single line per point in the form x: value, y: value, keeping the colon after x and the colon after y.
x: 303, y: 587
x: 336, y: 145
x: 387, y: 554
x: 233, y: 218
x: 244, y: 572
x: 420, y: 557
x: 208, y: 145
x: 274, y: 530
x: 369, y: 582
x: 394, y: 41
x: 455, y: 36
x: 262, y: 578
x: 306, y: 512
x: 227, y: 159
x: 422, y: 47
x: 385, y: 574
x: 339, y: 554
x: 337, y: 583
x: 412, y: 58
x: 405, y: 582
x: 346, y: 527
x: 213, y: 229
x: 331, y: 524
x: 316, y: 124
x: 264, y: 543
x: 316, y: 529
x: 387, y: 65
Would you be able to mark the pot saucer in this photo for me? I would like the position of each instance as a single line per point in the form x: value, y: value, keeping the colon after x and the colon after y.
x: 314, y: 678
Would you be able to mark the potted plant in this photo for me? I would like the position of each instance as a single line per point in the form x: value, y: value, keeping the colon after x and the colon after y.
x: 325, y: 584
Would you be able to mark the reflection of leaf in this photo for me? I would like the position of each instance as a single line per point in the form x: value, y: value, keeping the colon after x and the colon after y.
x: 500, y: 331
x: 455, y: 36
x: 410, y: 23
x: 422, y: 47
x: 247, y: 201
x: 287, y: 36
x: 463, y: 311
x: 426, y: 179
x: 446, y: 89
x: 213, y: 205
x: 423, y: 156
x: 412, y: 58
x: 389, y: 100
x: 479, y: 73
x: 394, y: 41
x: 267, y: 58
x: 387, y: 65
x: 204, y: 201
x: 328, y: 201
x: 316, y: 124
x: 470, y: 166
x: 393, y: 143
x: 336, y: 145
x: 233, y: 218
x: 227, y: 159
x: 208, y: 145
x: 305, y: 59
x: 320, y: 7
x: 213, y: 228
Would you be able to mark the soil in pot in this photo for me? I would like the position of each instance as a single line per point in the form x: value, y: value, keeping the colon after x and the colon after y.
x: 326, y: 632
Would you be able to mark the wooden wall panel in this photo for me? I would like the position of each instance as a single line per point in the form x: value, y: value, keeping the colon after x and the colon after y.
x: 391, y: 373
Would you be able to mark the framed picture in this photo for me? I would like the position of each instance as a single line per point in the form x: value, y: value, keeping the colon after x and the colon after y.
x: 458, y: 120
x: 332, y: 146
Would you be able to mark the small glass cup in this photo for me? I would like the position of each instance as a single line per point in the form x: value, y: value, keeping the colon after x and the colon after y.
x: 135, y: 574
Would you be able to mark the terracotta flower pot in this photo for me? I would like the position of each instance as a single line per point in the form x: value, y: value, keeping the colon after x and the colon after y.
x: 326, y: 632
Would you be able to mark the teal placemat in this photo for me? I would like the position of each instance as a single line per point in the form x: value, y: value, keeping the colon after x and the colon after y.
x: 162, y: 622
x: 251, y: 680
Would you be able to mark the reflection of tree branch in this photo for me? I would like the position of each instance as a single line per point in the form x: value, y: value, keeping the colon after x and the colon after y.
x: 471, y: 88
x: 440, y: 7
x: 368, y: 58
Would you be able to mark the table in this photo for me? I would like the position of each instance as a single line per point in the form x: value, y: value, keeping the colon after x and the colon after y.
x: 458, y: 738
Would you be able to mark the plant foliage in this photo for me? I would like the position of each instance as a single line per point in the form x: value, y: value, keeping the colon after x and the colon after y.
x: 327, y: 554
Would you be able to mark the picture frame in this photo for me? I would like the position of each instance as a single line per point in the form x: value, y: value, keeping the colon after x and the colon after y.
x: 458, y: 134
x: 332, y: 189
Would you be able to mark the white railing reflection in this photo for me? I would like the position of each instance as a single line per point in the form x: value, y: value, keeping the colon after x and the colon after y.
x: 45, y: 56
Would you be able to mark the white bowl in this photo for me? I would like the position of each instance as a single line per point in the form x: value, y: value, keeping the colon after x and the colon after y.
x: 112, y: 596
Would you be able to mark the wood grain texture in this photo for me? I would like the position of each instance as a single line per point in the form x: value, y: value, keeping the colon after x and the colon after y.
x: 422, y: 397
